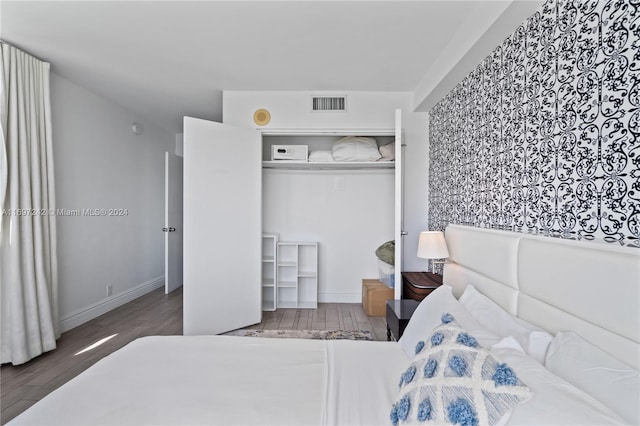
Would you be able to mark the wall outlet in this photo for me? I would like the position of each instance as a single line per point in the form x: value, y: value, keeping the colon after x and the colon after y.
x: 109, y: 290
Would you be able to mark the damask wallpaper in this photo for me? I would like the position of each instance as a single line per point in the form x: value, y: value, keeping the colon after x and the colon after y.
x: 543, y: 136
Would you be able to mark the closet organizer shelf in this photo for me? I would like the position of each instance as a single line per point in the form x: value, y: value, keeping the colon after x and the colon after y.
x: 297, y: 272
x: 269, y: 272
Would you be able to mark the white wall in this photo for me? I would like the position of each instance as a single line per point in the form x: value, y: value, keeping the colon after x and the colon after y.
x: 349, y: 214
x: 101, y: 164
x: 415, y: 187
x: 292, y: 110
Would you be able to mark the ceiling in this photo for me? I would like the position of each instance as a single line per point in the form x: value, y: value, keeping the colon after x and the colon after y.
x: 166, y: 59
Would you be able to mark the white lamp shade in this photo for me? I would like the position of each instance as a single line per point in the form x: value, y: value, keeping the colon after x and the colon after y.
x: 432, y: 245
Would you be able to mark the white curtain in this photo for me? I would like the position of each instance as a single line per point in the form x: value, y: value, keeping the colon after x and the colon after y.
x: 28, y: 265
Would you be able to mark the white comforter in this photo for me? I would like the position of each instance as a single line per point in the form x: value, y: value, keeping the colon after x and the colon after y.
x: 193, y: 380
x: 228, y: 380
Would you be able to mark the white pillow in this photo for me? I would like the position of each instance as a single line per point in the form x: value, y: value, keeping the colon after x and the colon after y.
x: 555, y: 401
x: 428, y: 314
x: 534, y: 340
x: 602, y: 376
x: 355, y: 148
x: 388, y: 151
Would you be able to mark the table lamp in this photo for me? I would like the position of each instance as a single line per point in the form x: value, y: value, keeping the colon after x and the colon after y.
x: 432, y: 245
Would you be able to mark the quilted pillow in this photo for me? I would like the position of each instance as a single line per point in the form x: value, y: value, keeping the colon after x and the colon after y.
x: 454, y: 380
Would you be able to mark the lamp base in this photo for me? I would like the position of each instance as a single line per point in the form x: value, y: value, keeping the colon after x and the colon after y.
x: 433, y: 265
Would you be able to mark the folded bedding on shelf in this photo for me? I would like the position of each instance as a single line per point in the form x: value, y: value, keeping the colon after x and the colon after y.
x: 388, y: 152
x: 320, y: 156
x: 355, y: 148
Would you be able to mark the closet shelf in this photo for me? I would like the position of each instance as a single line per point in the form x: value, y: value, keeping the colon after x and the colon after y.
x: 269, y: 271
x: 332, y: 165
x: 297, y: 274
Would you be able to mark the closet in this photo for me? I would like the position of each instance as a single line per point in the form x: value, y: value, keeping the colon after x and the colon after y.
x: 234, y: 194
x: 348, y: 207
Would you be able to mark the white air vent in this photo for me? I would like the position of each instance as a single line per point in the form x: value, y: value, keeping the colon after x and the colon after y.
x: 328, y: 103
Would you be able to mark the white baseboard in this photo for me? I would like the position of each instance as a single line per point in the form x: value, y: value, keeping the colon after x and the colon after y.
x: 90, y: 312
x: 340, y: 297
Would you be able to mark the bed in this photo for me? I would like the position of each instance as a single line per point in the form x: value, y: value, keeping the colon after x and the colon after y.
x: 516, y: 299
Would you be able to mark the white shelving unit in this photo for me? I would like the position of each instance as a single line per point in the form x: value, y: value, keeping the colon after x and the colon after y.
x: 297, y: 274
x: 269, y: 271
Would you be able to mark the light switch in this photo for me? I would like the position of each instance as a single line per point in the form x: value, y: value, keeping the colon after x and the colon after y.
x: 338, y: 183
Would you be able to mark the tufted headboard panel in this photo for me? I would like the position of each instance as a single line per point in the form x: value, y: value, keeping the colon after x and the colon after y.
x: 588, y: 287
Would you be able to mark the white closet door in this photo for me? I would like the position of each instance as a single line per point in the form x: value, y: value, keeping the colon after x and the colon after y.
x: 222, y: 227
x: 399, y: 195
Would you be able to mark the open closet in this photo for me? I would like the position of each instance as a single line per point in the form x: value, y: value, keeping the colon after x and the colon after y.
x: 335, y: 212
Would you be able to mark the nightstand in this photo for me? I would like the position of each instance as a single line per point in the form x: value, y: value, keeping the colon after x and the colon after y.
x: 417, y: 285
x: 398, y: 315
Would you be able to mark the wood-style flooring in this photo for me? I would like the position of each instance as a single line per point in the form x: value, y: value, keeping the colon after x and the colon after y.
x: 152, y: 314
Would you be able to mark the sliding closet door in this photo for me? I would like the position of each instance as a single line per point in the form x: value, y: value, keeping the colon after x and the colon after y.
x: 222, y: 227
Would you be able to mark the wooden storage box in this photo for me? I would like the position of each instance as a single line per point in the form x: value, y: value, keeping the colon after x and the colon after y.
x: 374, y: 297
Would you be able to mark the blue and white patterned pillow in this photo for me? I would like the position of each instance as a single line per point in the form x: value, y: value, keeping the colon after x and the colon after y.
x: 453, y: 380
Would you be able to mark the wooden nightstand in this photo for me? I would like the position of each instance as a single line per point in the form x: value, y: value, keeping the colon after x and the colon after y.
x: 417, y: 285
x: 398, y: 315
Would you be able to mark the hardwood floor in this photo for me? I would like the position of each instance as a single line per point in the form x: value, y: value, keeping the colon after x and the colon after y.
x: 152, y: 314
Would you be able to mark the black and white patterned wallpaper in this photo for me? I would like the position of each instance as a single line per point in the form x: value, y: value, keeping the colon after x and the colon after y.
x: 543, y: 136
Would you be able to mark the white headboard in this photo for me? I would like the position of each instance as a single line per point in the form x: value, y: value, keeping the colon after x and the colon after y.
x: 588, y: 287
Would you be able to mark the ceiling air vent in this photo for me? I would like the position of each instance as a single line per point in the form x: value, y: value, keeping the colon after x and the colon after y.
x: 328, y: 103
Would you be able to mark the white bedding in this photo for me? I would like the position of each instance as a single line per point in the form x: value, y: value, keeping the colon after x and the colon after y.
x: 229, y: 380
x: 320, y: 157
x: 226, y: 380
x: 362, y: 381
x: 193, y: 380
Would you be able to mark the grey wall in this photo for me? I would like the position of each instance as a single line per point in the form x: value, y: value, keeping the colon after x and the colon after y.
x: 100, y: 164
x: 543, y: 135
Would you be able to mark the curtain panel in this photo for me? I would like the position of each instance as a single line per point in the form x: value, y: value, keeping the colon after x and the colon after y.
x: 28, y: 264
